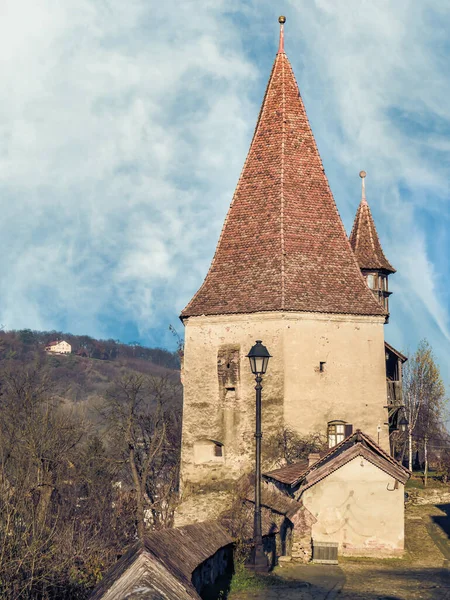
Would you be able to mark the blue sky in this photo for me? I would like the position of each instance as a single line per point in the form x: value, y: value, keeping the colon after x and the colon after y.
x: 124, y: 126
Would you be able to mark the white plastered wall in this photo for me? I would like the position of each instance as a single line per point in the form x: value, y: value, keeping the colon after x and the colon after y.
x: 360, y: 507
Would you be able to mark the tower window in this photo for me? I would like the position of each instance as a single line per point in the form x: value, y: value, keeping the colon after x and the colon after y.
x: 371, y: 281
x: 208, y: 451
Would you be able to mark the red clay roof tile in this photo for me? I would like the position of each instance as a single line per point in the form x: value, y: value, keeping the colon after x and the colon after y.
x: 294, y: 473
x: 364, y: 239
x: 283, y: 246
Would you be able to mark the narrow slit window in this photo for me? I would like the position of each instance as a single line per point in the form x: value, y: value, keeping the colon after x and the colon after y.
x: 230, y: 394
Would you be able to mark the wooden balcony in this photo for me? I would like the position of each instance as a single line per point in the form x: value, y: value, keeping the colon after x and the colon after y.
x: 394, y: 393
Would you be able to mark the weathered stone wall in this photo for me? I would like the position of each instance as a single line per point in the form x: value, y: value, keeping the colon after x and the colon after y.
x: 219, y: 395
x: 202, y: 505
x: 352, y: 385
x: 361, y: 508
x: 430, y: 496
x: 302, y: 521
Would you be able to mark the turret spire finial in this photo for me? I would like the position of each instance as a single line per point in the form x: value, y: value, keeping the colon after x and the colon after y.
x: 281, y: 21
x: 363, y: 174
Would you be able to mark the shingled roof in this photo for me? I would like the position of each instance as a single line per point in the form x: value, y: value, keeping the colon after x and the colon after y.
x: 283, y: 246
x: 275, y: 501
x: 364, y: 238
x: 356, y: 444
x: 162, y: 566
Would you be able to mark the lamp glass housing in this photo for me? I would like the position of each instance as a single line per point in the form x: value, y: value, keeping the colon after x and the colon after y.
x: 403, y: 423
x: 259, y: 358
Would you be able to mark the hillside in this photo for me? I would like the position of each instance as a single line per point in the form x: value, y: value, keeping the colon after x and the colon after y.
x: 89, y: 458
x: 92, y: 366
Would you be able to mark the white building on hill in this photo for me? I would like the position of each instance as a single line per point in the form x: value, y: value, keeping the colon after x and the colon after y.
x: 61, y: 347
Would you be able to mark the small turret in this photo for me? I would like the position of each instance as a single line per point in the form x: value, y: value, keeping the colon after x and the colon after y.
x: 368, y: 251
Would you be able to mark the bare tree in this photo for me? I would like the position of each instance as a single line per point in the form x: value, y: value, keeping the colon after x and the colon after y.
x: 286, y: 446
x: 143, y: 427
x: 424, y: 395
x: 37, y: 442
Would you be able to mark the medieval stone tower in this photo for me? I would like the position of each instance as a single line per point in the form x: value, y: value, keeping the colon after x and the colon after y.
x: 284, y: 272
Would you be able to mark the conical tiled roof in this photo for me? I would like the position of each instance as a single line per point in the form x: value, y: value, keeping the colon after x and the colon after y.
x: 283, y: 246
x: 364, y: 238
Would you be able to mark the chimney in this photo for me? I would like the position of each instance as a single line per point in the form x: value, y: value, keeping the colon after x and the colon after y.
x: 313, y: 457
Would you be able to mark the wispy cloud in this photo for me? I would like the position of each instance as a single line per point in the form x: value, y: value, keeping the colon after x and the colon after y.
x: 375, y: 80
x: 123, y: 128
x: 119, y: 129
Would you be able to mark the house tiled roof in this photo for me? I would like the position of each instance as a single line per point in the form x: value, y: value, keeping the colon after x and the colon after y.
x: 364, y: 238
x: 289, y: 474
x: 283, y: 246
x: 357, y: 443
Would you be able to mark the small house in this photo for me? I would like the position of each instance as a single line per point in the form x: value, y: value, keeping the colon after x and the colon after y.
x: 59, y: 347
x: 355, y: 493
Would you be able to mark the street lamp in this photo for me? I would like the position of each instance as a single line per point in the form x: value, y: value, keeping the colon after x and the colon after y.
x: 259, y: 359
x: 403, y: 423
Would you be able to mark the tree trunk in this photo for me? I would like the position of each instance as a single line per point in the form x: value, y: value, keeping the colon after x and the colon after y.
x: 410, y: 449
x: 45, y: 494
x: 140, y: 512
x: 425, y: 447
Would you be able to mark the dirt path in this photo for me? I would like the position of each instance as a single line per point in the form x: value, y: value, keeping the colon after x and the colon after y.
x: 299, y: 582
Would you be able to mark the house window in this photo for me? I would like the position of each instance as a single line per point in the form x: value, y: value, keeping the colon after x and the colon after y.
x: 336, y: 433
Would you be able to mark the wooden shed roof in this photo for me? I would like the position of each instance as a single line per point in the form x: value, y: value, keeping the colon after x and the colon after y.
x: 164, y: 563
x: 279, y: 503
x: 397, y: 353
x: 139, y: 575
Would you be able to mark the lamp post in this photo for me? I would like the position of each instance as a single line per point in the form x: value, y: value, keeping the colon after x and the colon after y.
x: 259, y: 359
